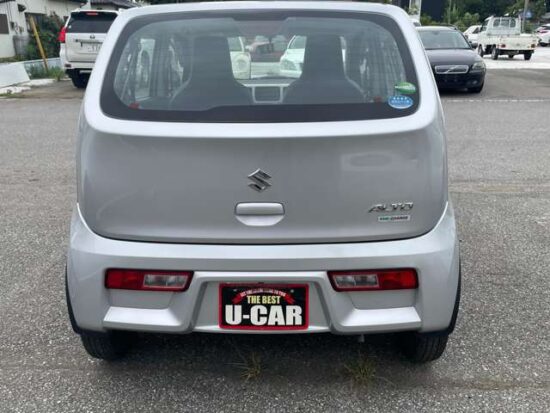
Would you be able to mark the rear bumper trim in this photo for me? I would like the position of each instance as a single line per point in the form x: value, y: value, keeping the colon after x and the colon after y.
x: 428, y: 308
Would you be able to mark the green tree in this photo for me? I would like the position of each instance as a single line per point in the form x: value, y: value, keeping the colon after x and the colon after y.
x: 48, y: 29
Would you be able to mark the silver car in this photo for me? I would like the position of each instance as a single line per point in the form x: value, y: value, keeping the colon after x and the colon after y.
x: 270, y: 204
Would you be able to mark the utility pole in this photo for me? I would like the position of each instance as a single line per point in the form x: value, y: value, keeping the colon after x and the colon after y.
x: 38, y: 42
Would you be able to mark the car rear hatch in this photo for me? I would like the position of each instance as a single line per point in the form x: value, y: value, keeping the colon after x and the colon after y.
x: 293, y: 173
x: 86, y: 31
x: 330, y: 189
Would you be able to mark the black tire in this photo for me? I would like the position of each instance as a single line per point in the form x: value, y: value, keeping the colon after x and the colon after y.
x: 480, y: 51
x: 424, y: 347
x: 543, y: 44
x: 527, y: 55
x: 495, y: 53
x: 477, y: 89
x: 80, y: 80
x: 106, y: 346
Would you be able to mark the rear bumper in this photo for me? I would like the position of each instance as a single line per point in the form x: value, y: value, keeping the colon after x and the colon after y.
x: 463, y: 81
x: 84, y: 66
x: 435, y: 256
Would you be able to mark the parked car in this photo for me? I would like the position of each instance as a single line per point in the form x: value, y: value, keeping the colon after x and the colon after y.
x: 202, y: 207
x: 543, y: 34
x: 454, y: 63
x: 80, y: 40
x: 292, y: 60
x: 471, y: 34
x: 240, y: 58
x: 502, y: 36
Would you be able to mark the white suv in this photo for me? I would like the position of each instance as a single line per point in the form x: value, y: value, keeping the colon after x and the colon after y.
x: 267, y: 204
x: 81, y: 38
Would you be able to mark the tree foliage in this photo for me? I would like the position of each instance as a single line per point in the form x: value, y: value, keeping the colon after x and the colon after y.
x: 48, y: 29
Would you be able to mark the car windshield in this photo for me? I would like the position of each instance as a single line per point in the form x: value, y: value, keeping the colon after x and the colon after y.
x: 443, y: 39
x: 199, y: 67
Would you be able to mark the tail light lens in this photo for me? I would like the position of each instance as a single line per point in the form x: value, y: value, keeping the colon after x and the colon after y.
x: 61, y: 36
x: 147, y: 280
x: 374, y: 280
x: 503, y: 46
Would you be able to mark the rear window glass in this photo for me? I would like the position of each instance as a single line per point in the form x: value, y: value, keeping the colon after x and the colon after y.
x: 197, y: 67
x: 443, y: 39
x: 90, y: 22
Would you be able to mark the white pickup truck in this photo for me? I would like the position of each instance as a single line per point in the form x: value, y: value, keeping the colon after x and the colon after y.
x: 502, y: 36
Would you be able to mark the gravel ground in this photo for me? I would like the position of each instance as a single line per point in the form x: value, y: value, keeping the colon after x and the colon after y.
x: 497, y: 361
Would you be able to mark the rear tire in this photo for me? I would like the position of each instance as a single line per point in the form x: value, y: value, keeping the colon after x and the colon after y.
x: 527, y: 55
x: 106, y: 346
x: 80, y: 80
x: 480, y: 50
x: 424, y: 347
x: 495, y: 53
x: 543, y: 44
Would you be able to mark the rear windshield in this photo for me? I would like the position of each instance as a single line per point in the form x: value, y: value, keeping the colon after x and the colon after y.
x: 443, y: 39
x: 90, y: 22
x: 197, y: 67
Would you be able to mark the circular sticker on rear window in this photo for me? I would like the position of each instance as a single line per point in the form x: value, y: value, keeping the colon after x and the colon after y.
x: 400, y: 102
x: 405, y: 88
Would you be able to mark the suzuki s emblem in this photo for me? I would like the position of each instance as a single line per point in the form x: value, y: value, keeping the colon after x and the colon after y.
x: 92, y: 36
x: 260, y: 180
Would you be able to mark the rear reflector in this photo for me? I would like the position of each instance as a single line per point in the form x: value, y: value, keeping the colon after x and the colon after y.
x: 147, y: 280
x: 374, y: 280
x: 503, y: 46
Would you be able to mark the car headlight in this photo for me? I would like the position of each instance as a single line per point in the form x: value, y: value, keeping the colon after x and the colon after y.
x: 478, y: 66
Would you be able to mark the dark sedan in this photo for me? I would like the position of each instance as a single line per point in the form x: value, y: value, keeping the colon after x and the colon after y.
x: 454, y: 63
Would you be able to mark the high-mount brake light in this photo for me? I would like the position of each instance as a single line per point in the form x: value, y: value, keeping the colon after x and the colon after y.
x: 374, y: 280
x: 147, y: 280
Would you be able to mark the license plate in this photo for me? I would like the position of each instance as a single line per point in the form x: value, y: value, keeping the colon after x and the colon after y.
x: 263, y: 306
x: 92, y: 47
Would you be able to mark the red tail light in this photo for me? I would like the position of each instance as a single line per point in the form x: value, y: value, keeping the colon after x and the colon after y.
x: 374, y: 280
x: 147, y: 280
x: 92, y: 13
x: 61, y: 36
x: 503, y: 46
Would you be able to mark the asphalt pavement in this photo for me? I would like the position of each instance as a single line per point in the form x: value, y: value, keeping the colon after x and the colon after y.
x: 497, y: 360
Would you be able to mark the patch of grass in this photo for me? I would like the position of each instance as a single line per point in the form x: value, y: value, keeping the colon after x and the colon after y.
x: 361, y: 370
x: 11, y: 59
x: 250, y: 367
x: 10, y: 95
x: 39, y: 72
